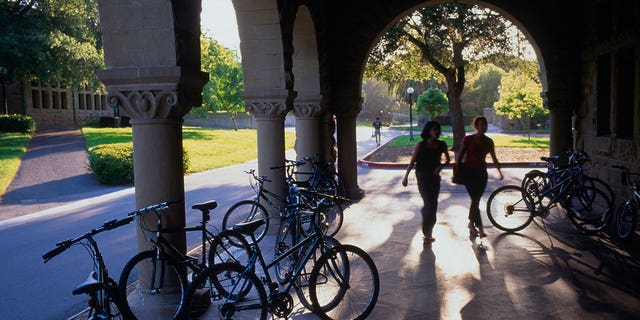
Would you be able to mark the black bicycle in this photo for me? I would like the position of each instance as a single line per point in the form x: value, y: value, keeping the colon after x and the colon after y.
x: 251, y: 210
x: 512, y: 208
x: 159, y: 277
x: 343, y: 283
x: 105, y: 297
x: 627, y: 213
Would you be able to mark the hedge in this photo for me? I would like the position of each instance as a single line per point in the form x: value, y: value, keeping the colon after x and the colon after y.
x: 113, y: 163
x: 17, y: 123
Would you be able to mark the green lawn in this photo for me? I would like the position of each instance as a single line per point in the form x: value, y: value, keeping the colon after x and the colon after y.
x: 12, y: 148
x: 207, y: 148
x: 499, y: 141
x: 417, y: 129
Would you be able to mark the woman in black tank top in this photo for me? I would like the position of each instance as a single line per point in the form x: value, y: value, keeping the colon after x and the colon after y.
x: 427, y: 158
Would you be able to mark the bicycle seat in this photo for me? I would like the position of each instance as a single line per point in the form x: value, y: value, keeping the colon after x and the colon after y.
x: 90, y: 285
x: 248, y: 228
x: 550, y: 159
x: 205, y: 206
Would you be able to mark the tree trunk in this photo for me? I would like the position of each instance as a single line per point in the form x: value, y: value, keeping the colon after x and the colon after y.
x: 455, y: 111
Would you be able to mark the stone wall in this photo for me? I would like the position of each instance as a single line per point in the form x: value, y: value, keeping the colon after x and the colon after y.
x: 607, y: 120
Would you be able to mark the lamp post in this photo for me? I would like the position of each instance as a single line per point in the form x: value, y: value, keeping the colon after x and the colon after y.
x: 410, y: 92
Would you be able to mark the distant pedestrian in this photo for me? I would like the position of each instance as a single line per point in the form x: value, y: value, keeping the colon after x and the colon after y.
x: 427, y: 158
x: 472, y: 153
x: 377, y: 126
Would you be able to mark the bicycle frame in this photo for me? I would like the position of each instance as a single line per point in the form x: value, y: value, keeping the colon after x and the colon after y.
x: 315, y: 240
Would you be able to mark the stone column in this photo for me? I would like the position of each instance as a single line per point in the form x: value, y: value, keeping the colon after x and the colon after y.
x: 347, y: 146
x: 270, y: 114
x: 307, y: 126
x: 559, y: 102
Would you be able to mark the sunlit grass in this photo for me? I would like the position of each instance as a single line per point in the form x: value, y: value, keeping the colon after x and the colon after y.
x: 498, y: 140
x: 12, y: 148
x: 207, y: 148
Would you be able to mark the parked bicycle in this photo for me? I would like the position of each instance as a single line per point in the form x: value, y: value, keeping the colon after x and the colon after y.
x: 156, y: 277
x: 555, y: 174
x: 105, y: 297
x: 627, y: 212
x: 251, y: 210
x: 343, y: 284
x: 512, y: 208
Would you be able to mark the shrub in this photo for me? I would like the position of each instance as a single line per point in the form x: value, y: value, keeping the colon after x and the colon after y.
x: 113, y: 163
x: 17, y: 123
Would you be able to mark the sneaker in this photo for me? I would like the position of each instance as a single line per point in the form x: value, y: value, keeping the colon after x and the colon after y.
x: 481, y: 233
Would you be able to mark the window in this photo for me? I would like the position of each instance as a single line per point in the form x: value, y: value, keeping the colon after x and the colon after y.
x: 603, y: 99
x: 624, y: 92
x: 36, y: 102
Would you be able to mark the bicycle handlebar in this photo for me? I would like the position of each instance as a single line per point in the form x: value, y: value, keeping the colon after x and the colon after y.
x: 109, y: 225
x: 154, y: 207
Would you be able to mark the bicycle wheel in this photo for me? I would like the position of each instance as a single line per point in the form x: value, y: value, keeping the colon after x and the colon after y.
x: 603, y: 186
x: 152, y: 286
x: 302, y: 282
x: 589, y: 210
x: 625, y: 221
x: 330, y: 218
x: 246, y: 211
x: 114, y: 307
x: 228, y: 246
x: 509, y: 208
x: 286, y: 238
x: 344, y: 284
x: 535, y: 183
x: 244, y: 296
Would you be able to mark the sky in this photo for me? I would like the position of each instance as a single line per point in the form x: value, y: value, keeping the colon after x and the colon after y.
x: 218, y: 20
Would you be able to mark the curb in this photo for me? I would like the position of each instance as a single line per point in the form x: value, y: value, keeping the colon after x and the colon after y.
x: 393, y: 165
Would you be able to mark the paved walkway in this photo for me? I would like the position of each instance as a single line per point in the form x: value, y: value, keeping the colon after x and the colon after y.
x: 548, y: 271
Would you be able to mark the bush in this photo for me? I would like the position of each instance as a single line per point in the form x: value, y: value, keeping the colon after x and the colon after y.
x: 17, y: 123
x: 113, y: 163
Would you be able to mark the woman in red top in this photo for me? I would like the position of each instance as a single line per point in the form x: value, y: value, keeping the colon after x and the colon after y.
x: 475, y: 147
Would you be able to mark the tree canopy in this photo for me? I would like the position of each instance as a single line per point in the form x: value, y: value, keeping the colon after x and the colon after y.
x: 520, y: 96
x: 50, y: 40
x: 222, y: 92
x: 447, y: 37
x: 377, y: 101
x: 432, y: 102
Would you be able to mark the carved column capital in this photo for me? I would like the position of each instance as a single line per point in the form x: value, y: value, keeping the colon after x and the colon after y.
x: 267, y: 108
x: 154, y: 92
x: 145, y: 103
x: 307, y: 109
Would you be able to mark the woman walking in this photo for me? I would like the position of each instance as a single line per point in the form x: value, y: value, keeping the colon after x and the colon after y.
x: 427, y: 157
x: 475, y: 147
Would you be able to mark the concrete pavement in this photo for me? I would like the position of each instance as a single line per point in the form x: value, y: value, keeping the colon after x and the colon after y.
x: 548, y: 271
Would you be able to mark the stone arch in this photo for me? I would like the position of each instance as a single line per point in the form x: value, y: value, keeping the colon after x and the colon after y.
x: 264, y: 45
x: 305, y: 72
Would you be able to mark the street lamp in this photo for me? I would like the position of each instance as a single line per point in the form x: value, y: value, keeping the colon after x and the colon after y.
x: 410, y: 92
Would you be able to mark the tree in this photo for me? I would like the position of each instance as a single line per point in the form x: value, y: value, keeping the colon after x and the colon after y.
x: 432, y: 103
x: 50, y: 40
x: 222, y: 92
x: 520, y: 97
x: 377, y: 102
x: 483, y: 89
x: 448, y: 37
